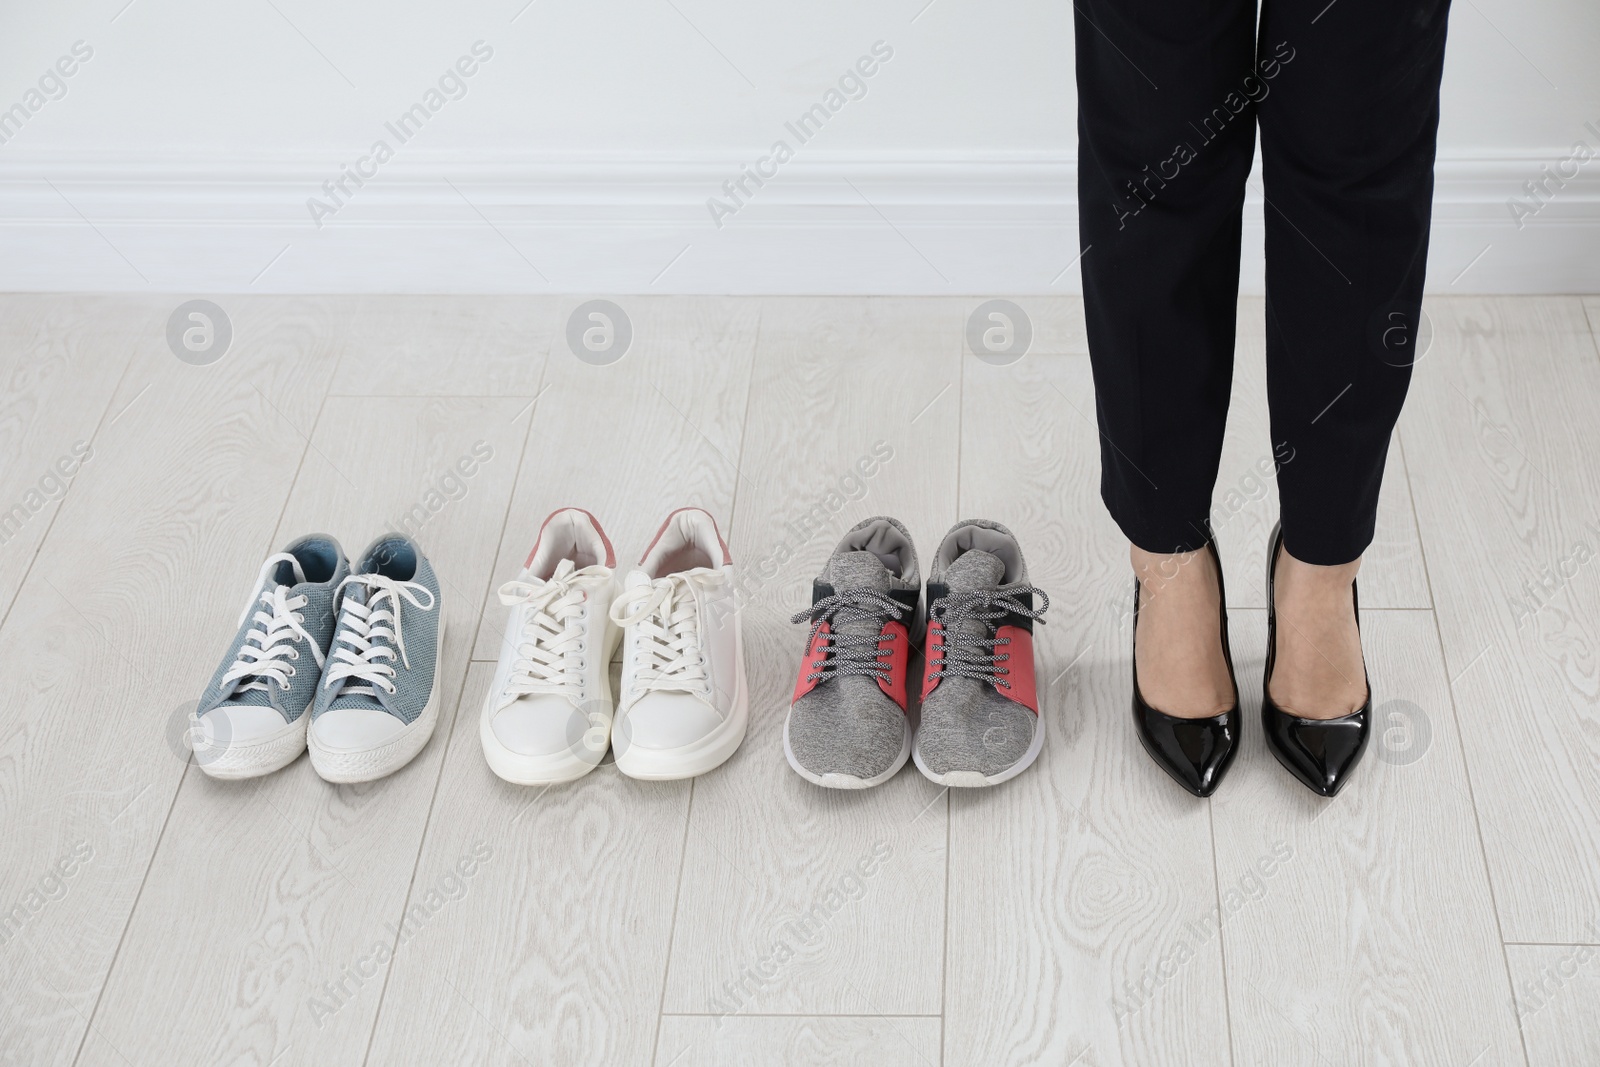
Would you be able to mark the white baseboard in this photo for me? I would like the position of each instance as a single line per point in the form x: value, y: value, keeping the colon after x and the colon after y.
x: 437, y: 223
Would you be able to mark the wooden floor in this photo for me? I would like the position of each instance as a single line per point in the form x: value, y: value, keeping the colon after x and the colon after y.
x: 1445, y: 910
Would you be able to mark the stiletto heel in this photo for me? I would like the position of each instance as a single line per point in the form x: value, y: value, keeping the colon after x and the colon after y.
x: 1319, y: 752
x: 1195, y: 752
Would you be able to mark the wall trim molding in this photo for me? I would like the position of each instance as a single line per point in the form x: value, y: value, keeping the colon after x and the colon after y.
x: 633, y: 222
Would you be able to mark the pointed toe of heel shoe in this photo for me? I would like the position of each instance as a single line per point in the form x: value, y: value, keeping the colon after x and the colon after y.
x: 1321, y: 753
x: 1195, y: 752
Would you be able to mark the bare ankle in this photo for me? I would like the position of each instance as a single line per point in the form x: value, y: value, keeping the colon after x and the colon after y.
x: 1181, y: 667
x: 1319, y: 670
x: 1157, y: 571
x: 1295, y: 578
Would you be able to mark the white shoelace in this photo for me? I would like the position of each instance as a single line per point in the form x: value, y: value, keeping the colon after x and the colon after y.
x: 552, y: 646
x: 667, y: 628
x: 356, y: 653
x: 270, y: 645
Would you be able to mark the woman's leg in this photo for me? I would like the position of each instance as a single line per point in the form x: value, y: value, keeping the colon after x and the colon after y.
x: 1347, y: 141
x: 1166, y: 131
x: 1347, y: 144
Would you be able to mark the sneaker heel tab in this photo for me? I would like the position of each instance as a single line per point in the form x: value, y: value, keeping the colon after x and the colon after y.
x: 594, y: 524
x: 716, y: 532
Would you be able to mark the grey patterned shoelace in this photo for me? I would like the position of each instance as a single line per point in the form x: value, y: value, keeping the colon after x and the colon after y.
x: 964, y: 653
x: 851, y: 653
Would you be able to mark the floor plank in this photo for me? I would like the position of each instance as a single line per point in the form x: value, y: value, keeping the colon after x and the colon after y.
x: 139, y: 570
x: 1558, y: 987
x: 1070, y: 883
x: 490, y: 346
x: 60, y: 359
x: 576, y: 883
x: 799, y: 1041
x: 837, y: 383
x: 1361, y: 930
x: 239, y: 942
x: 1503, y: 447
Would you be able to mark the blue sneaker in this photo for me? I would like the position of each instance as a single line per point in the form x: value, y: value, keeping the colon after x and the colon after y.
x: 251, y: 719
x: 378, y: 701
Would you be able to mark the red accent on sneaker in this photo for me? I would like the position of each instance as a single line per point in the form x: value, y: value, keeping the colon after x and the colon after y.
x: 611, y: 555
x: 1018, y: 683
x: 933, y: 656
x: 894, y: 649
x: 815, y: 658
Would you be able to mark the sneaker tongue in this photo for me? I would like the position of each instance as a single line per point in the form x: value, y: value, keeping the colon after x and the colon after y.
x: 974, y: 569
x: 858, y: 570
x: 289, y: 572
x: 256, y: 697
x: 635, y: 579
x: 347, y: 699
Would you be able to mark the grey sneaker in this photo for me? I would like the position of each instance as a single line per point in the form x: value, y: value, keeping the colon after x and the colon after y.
x: 251, y: 719
x: 980, y: 706
x: 847, y: 725
x: 379, y: 698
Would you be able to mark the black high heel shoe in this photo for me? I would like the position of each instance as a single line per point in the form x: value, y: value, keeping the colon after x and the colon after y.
x: 1319, y: 752
x: 1195, y: 752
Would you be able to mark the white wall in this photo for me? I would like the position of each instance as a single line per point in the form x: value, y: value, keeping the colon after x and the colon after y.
x: 581, y: 157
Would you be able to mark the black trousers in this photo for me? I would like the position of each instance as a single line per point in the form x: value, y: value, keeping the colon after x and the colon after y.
x: 1169, y: 95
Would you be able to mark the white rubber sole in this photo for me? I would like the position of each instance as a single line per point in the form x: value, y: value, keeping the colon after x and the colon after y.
x: 345, y: 766
x: 976, y: 780
x: 554, y: 768
x: 691, y: 761
x: 846, y: 781
x: 521, y: 769
x: 239, y: 760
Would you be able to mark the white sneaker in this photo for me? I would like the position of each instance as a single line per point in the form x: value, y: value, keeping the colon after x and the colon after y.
x: 684, y: 704
x: 547, y: 717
